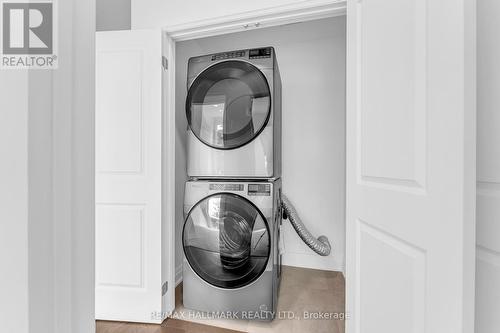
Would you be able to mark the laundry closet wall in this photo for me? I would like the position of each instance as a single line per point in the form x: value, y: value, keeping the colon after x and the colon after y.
x: 311, y: 58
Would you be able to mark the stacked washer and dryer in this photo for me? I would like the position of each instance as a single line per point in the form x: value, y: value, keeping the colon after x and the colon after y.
x: 232, y: 206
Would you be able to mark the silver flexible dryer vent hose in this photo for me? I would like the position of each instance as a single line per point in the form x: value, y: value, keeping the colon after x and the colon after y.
x: 320, y: 245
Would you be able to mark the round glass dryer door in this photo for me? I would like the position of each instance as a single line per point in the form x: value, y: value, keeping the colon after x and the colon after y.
x: 226, y: 240
x: 228, y: 104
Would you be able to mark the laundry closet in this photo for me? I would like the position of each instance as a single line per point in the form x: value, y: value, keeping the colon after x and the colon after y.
x: 311, y: 60
x: 306, y: 126
x: 364, y: 161
x: 286, y: 105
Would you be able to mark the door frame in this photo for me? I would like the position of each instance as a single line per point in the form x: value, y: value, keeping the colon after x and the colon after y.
x: 258, y: 19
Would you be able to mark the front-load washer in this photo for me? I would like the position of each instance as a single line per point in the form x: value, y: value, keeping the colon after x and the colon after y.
x: 232, y: 261
x: 233, y: 109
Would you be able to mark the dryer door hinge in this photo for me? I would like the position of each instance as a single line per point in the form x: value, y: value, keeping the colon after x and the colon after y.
x: 164, y: 288
x: 164, y: 62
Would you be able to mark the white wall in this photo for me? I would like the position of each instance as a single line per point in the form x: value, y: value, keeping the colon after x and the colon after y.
x: 27, y: 231
x: 113, y: 15
x: 14, y: 201
x: 160, y: 13
x: 47, y: 226
x: 488, y: 167
x: 311, y: 57
x: 40, y: 218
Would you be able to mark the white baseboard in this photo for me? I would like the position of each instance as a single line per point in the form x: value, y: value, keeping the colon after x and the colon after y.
x: 312, y: 261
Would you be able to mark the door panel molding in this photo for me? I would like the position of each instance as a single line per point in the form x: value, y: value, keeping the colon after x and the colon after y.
x: 412, y: 294
x: 117, y: 261
x: 406, y: 139
x: 114, y: 112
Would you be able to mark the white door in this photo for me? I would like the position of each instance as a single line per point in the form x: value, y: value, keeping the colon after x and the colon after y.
x: 128, y: 176
x: 488, y: 168
x: 410, y: 166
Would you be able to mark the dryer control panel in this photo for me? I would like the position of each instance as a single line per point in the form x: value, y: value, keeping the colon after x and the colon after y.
x: 259, y: 189
x: 260, y: 53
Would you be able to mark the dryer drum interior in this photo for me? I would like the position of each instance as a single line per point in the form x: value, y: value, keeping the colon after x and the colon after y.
x: 226, y: 240
x: 228, y: 104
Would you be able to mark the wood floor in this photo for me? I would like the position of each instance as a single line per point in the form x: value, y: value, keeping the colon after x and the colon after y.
x: 168, y: 326
x: 303, y: 292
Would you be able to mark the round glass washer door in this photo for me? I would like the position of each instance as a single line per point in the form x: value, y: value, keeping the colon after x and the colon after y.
x: 228, y: 104
x: 226, y: 240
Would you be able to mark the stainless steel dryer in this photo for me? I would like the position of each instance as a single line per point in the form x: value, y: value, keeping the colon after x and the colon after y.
x: 233, y: 109
x: 231, y: 247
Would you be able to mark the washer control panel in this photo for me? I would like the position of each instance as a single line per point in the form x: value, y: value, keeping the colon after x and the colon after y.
x: 228, y: 55
x: 227, y: 187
